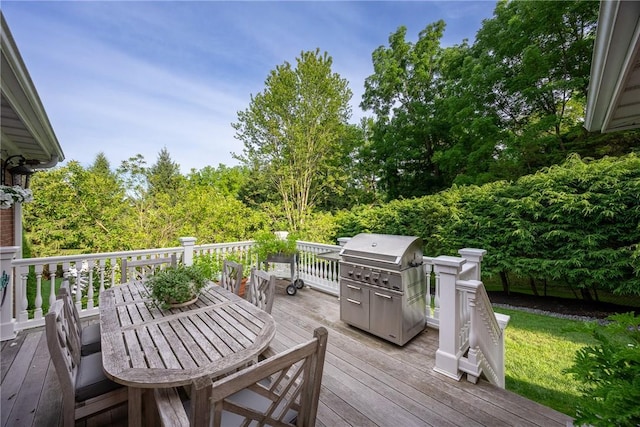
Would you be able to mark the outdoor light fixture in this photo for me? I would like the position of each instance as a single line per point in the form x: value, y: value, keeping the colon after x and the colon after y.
x: 20, y: 172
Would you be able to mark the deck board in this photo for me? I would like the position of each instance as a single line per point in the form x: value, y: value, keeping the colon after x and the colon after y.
x: 367, y: 381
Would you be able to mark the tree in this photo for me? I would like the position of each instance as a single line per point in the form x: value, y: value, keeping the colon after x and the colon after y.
x: 227, y: 180
x: 76, y: 210
x: 532, y: 62
x: 402, y: 94
x: 292, y: 133
x: 164, y: 175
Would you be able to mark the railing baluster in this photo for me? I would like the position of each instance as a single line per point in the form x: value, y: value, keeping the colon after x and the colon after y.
x: 37, y: 313
x: 114, y: 268
x: 21, y: 295
x: 52, y: 280
x: 90, y: 265
x: 101, y: 267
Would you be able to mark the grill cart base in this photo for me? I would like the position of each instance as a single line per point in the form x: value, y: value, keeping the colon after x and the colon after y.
x: 292, y: 260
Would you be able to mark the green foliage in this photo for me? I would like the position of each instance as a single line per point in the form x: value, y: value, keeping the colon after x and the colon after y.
x: 535, y: 59
x: 268, y: 243
x: 209, y: 264
x: 407, y: 133
x: 175, y: 285
x: 76, y: 210
x: 293, y: 133
x: 229, y: 181
x: 576, y: 223
x: 504, y: 106
x: 164, y: 176
x: 609, y: 372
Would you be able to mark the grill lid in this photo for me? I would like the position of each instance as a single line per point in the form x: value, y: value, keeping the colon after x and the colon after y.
x: 384, y: 250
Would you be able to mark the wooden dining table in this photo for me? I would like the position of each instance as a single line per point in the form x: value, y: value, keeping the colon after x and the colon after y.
x: 145, y: 346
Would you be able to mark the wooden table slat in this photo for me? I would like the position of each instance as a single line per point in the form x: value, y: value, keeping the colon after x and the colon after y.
x: 146, y: 346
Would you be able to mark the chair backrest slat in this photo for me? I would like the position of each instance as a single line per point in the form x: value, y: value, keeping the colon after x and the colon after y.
x: 73, y: 320
x: 231, y: 276
x: 63, y: 353
x: 289, y: 381
x: 262, y: 289
x: 141, y: 268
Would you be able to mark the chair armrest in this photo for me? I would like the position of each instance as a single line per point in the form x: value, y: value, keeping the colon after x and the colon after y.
x: 170, y: 408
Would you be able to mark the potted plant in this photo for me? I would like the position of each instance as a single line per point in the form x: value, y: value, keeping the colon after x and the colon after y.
x: 275, y: 247
x: 176, y: 286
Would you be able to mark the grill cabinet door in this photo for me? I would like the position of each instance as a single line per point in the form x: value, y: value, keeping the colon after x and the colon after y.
x: 354, y: 304
x: 386, y: 314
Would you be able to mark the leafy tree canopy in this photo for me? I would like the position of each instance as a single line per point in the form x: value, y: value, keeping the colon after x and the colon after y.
x: 292, y: 133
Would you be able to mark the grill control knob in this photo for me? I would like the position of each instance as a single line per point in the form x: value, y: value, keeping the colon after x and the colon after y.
x: 350, y: 273
x: 385, y: 280
x: 366, y: 277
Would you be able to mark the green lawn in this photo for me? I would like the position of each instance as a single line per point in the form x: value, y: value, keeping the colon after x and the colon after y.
x: 538, y: 348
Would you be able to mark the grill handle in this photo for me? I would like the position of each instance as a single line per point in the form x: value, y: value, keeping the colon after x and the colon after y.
x: 367, y: 260
x: 353, y: 301
x: 383, y: 295
x: 357, y: 288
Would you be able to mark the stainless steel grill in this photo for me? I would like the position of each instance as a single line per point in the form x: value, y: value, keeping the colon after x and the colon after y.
x: 383, y: 285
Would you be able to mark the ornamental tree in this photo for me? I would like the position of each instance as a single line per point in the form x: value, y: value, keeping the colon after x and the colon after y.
x: 292, y: 133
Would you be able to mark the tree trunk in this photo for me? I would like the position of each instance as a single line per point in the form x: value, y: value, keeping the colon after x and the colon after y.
x: 586, y: 295
x: 572, y: 290
x: 505, y: 282
x: 532, y: 283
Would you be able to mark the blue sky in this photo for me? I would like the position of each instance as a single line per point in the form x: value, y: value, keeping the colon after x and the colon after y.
x: 133, y: 77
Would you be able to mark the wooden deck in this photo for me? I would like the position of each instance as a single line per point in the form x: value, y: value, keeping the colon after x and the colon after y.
x: 367, y: 381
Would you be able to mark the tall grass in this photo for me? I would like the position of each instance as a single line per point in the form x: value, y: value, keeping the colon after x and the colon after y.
x: 538, y: 348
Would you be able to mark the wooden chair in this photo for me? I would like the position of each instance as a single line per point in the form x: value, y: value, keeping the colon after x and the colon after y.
x: 87, y: 338
x: 262, y: 289
x: 231, y: 276
x: 282, y: 390
x: 85, y: 389
x: 141, y: 268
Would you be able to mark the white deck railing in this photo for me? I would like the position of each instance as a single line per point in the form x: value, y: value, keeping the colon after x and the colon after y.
x: 321, y: 274
x: 471, y: 335
x: 25, y: 280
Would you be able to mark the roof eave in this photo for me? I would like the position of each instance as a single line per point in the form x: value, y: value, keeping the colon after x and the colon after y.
x: 615, y: 50
x: 20, y: 94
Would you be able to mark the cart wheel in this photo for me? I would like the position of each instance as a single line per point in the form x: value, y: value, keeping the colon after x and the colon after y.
x: 299, y: 283
x: 291, y: 290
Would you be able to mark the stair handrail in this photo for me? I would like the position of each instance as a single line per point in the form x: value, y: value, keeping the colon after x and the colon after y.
x: 486, y: 335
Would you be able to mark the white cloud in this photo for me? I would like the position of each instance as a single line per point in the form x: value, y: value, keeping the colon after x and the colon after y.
x: 133, y: 77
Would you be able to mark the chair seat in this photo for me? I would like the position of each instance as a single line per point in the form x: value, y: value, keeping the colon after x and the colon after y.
x: 256, y: 402
x: 248, y: 399
x: 90, y: 339
x: 91, y: 381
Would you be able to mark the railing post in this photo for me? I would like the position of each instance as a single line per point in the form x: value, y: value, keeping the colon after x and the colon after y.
x: 474, y: 256
x: 448, y: 268
x: 7, y: 320
x: 187, y: 243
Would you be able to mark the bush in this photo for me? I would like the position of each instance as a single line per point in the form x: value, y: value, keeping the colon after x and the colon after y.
x: 610, y: 374
x: 209, y: 265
